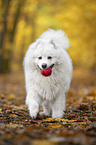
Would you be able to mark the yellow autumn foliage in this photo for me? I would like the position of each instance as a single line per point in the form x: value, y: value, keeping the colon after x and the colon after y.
x: 26, y: 20
x: 58, y: 120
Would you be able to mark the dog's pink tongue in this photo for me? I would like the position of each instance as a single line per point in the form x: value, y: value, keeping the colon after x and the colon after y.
x: 46, y: 72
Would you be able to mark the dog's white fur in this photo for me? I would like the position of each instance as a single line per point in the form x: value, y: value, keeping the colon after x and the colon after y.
x: 48, y: 91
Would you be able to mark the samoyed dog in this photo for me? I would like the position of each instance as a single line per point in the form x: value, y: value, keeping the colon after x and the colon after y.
x: 48, y: 73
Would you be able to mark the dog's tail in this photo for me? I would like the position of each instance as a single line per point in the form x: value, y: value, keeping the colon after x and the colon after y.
x: 58, y: 38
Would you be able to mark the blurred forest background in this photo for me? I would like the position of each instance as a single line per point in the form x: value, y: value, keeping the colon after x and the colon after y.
x: 22, y: 21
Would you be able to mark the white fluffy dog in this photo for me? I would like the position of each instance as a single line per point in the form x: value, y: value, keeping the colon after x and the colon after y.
x: 48, y: 73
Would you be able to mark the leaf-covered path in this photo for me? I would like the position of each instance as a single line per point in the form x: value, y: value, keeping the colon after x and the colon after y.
x: 78, y: 127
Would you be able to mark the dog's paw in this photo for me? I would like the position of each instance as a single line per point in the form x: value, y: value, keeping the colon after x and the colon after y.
x: 44, y: 113
x: 57, y: 115
x: 33, y: 113
x: 41, y: 113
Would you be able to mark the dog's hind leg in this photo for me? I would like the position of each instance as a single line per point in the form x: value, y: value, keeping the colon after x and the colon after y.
x: 46, y: 109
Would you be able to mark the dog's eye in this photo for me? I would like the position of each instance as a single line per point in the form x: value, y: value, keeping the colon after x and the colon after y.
x: 40, y: 57
x: 49, y: 57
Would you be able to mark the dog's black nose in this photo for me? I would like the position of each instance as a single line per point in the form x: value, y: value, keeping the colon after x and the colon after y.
x: 44, y: 65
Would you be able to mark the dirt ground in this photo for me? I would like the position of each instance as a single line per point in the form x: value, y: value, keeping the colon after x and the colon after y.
x: 77, y: 127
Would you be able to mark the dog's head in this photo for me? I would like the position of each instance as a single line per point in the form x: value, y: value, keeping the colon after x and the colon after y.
x: 47, y: 52
x: 45, y: 57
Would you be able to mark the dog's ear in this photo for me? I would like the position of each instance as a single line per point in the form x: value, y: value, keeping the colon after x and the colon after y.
x: 53, y: 44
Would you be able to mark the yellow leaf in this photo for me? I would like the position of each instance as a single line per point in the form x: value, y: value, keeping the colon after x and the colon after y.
x: 0, y: 110
x: 59, y: 119
x: 64, y: 120
x: 48, y: 119
x: 55, y: 125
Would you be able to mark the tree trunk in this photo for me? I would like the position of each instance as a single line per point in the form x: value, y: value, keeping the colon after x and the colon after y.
x: 5, y: 55
x: 4, y: 62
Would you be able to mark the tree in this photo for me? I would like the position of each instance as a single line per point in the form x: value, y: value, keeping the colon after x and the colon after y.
x: 6, y: 33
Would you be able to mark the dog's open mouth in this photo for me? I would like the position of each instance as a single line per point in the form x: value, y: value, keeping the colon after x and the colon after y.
x: 47, y: 72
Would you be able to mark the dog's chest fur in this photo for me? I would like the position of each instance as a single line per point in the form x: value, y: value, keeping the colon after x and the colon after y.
x: 48, y: 88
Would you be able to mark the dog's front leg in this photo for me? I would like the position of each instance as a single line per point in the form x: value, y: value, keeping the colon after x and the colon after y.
x: 58, y: 106
x: 33, y: 101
